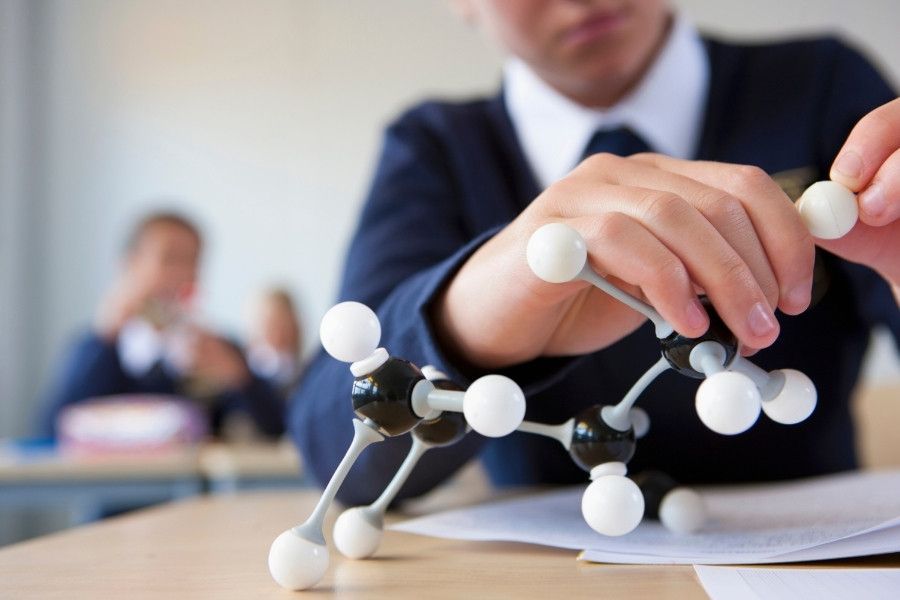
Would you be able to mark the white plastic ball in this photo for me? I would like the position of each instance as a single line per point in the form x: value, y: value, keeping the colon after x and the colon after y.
x: 355, y: 536
x: 796, y: 400
x: 295, y: 562
x: 828, y: 209
x: 728, y: 402
x: 609, y: 468
x: 494, y: 405
x: 556, y: 253
x: 612, y: 505
x: 682, y: 511
x: 640, y: 421
x: 350, y: 331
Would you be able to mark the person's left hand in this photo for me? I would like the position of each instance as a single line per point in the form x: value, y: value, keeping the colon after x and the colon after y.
x: 869, y: 164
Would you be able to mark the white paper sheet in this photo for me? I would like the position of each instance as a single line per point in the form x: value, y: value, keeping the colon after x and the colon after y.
x: 749, y: 524
x: 733, y: 583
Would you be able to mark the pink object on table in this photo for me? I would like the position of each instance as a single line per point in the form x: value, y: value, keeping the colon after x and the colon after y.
x: 131, y: 423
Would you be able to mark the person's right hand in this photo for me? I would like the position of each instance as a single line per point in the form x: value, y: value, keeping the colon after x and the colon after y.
x: 125, y: 299
x: 661, y: 228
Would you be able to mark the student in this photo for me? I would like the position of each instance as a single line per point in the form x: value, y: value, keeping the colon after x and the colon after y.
x: 440, y: 248
x: 142, y: 340
x: 276, y: 339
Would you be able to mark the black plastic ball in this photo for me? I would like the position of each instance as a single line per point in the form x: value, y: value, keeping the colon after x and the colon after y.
x: 594, y: 442
x: 677, y: 348
x: 448, y: 428
x: 445, y: 430
x: 654, y: 486
x: 385, y: 396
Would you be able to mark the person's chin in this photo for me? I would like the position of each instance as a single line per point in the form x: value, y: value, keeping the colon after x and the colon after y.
x: 610, y: 69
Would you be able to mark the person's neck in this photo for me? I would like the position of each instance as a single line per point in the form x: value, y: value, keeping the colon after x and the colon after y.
x: 611, y: 90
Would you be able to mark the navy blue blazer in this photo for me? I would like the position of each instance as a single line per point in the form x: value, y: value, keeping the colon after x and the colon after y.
x: 452, y: 174
x: 91, y: 368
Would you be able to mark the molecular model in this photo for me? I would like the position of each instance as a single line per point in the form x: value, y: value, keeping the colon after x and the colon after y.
x: 391, y: 396
x: 357, y: 532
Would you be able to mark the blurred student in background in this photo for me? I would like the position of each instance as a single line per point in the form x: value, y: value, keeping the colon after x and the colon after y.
x: 144, y: 340
x: 276, y: 340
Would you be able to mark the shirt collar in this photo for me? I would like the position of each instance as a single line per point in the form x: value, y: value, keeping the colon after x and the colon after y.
x: 141, y: 346
x: 666, y: 108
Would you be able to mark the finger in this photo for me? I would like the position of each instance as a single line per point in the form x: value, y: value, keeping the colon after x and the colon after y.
x: 878, y: 247
x: 869, y: 144
x: 621, y: 247
x: 725, y: 212
x: 879, y: 203
x: 788, y: 244
x: 710, y: 260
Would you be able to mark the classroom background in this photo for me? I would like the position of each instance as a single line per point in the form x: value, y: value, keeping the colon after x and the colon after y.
x: 259, y: 118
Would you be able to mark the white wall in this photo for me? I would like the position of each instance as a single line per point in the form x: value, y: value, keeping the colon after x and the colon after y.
x: 260, y: 117
x: 13, y: 209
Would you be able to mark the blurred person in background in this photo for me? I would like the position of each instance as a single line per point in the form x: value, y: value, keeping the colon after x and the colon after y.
x: 144, y: 339
x: 276, y: 340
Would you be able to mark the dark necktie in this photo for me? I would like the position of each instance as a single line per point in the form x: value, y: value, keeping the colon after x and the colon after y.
x: 621, y: 141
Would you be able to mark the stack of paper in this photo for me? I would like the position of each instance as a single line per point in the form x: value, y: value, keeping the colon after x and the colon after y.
x: 742, y: 583
x: 852, y: 514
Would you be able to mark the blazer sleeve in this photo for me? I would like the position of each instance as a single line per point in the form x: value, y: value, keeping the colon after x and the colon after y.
x: 89, y: 368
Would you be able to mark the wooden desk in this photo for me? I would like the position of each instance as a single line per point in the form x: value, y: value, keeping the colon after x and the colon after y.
x: 216, y: 547
x: 57, y: 467
x: 876, y: 410
x: 275, y: 460
x: 87, y: 487
x: 232, y: 467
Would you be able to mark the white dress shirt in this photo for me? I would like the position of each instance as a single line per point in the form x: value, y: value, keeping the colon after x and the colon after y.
x: 140, y: 346
x: 666, y: 108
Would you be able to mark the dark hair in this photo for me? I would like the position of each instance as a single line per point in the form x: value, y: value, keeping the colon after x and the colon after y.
x: 153, y: 219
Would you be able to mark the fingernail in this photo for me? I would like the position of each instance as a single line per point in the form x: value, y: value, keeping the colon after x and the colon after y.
x: 695, y: 315
x: 761, y: 321
x: 799, y: 294
x: 872, y: 200
x: 748, y: 351
x: 848, y: 165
